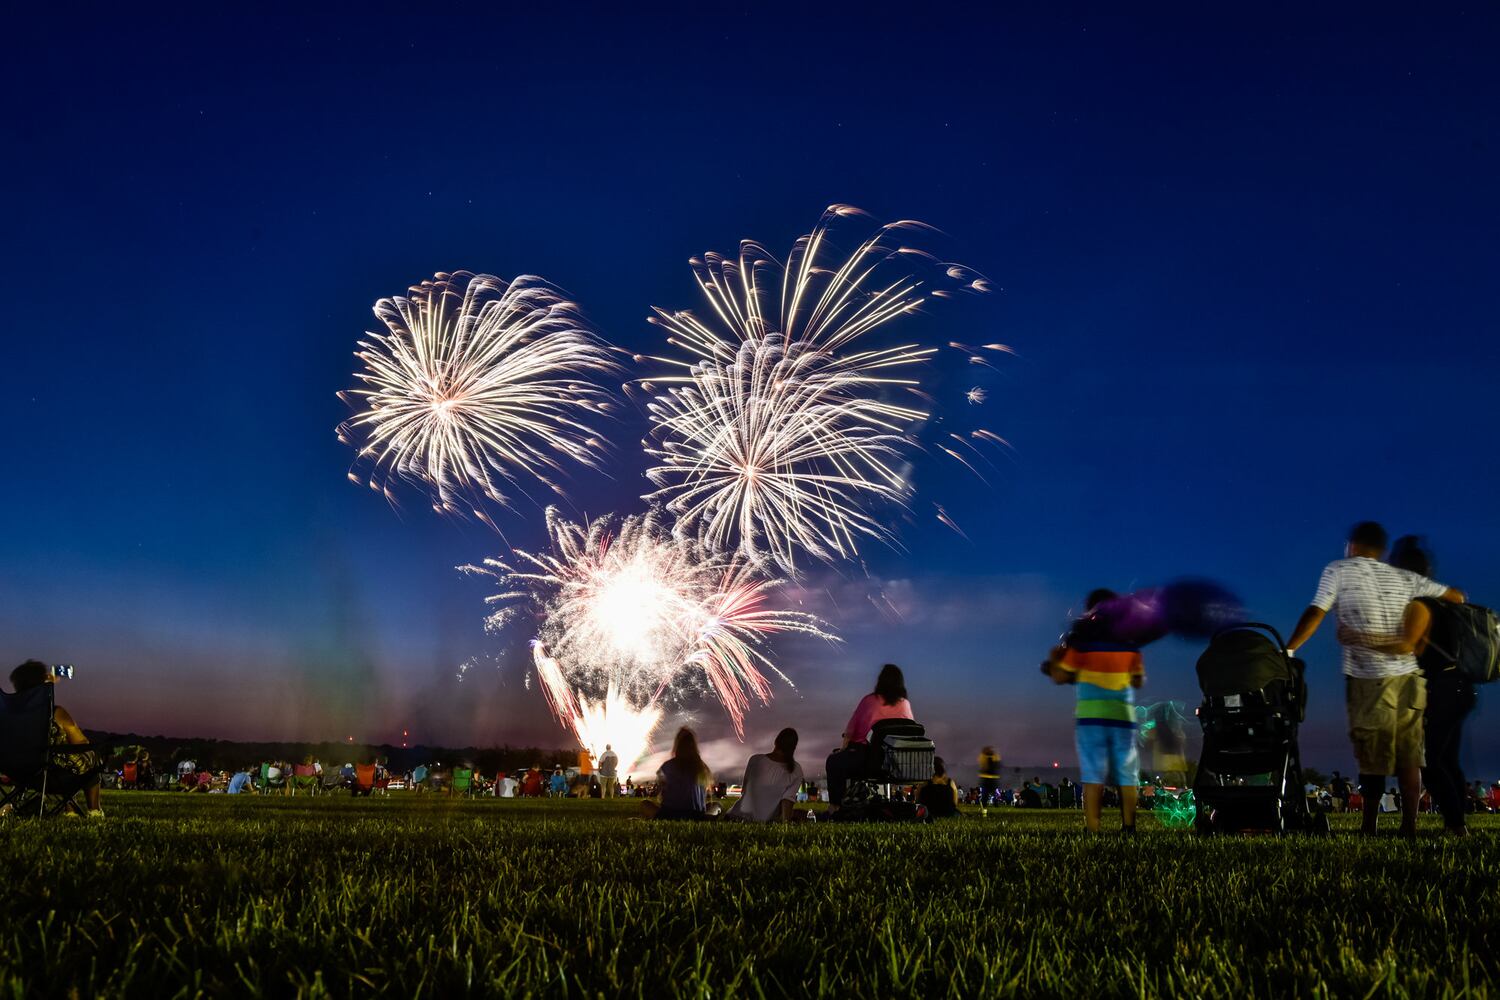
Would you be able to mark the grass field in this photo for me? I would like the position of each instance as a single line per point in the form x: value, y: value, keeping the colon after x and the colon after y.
x: 181, y: 896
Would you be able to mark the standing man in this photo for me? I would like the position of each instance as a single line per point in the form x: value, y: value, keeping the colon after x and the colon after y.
x: 609, y: 772
x: 989, y: 779
x: 1383, y: 691
x: 1105, y: 672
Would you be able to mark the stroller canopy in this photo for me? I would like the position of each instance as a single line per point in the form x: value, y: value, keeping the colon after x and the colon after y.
x: 1242, y: 659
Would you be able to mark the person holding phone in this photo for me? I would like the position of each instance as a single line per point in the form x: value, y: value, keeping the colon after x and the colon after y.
x: 63, y: 731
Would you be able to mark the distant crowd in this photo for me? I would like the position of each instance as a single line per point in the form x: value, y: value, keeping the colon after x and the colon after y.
x: 1407, y: 700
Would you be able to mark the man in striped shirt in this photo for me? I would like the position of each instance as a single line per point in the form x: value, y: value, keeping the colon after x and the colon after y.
x: 1105, y: 673
x: 1384, y: 691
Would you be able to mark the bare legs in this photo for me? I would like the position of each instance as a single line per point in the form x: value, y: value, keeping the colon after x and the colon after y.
x: 1093, y: 806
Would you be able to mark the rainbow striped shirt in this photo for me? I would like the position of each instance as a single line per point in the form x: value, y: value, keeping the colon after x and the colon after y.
x: 1102, y: 673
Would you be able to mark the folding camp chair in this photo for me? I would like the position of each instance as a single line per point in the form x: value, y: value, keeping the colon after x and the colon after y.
x: 266, y: 782
x: 304, y: 776
x: 38, y: 783
x: 128, y: 775
x: 463, y: 781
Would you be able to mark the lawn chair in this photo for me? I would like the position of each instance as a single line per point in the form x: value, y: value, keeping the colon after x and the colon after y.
x: 267, y: 782
x: 332, y: 780
x: 364, y: 779
x: 463, y: 782
x: 305, y: 776
x: 30, y: 761
x: 128, y: 775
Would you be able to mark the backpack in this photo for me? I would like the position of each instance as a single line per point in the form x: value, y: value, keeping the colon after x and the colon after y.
x: 1474, y: 633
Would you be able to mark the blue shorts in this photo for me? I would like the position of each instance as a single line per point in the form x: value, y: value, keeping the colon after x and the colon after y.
x: 1107, y: 755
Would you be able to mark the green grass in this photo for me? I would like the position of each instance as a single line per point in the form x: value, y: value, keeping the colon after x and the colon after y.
x: 180, y: 895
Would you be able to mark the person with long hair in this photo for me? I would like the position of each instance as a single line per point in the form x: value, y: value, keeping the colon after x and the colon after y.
x: 887, y: 701
x: 62, y: 732
x: 1427, y: 632
x: 682, y: 781
x: 771, y: 783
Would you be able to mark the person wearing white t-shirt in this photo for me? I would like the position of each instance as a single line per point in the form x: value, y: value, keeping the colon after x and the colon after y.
x: 506, y: 787
x: 771, y: 783
x: 1384, y: 692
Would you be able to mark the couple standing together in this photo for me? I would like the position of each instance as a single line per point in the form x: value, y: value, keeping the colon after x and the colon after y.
x: 1406, y: 698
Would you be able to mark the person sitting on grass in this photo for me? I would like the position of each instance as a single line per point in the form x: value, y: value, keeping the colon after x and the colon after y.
x: 63, y: 731
x: 887, y: 701
x: 682, y: 782
x: 771, y: 784
x: 940, y: 795
x: 242, y: 782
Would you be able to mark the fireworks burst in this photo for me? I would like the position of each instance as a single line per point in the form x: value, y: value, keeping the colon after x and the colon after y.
x: 633, y: 615
x: 773, y: 438
x: 475, y: 381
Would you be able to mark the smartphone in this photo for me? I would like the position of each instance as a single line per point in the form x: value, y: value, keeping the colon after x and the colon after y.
x: 63, y: 671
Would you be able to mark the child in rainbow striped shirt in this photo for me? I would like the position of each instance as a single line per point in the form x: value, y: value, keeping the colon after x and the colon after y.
x: 1105, y: 672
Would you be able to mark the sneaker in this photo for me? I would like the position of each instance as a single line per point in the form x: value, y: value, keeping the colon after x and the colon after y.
x: 96, y: 814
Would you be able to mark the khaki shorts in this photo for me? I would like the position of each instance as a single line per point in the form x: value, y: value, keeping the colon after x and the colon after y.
x: 1385, y: 721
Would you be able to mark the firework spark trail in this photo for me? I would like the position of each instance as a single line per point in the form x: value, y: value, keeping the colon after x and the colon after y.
x: 608, y: 722
x: 774, y: 453
x: 772, y: 436
x: 476, y: 380
x: 640, y: 613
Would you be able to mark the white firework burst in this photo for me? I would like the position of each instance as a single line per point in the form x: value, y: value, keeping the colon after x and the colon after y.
x: 475, y: 381
x: 774, y: 437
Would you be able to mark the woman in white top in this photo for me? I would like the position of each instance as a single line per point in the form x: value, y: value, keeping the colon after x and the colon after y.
x: 771, y: 783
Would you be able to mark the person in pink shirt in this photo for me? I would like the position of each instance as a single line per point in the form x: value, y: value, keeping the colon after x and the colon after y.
x: 887, y: 701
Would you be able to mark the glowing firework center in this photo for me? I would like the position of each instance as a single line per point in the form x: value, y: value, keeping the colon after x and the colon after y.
x: 633, y: 618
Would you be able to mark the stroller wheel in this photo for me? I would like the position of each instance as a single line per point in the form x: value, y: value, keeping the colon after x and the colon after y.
x: 1203, y: 825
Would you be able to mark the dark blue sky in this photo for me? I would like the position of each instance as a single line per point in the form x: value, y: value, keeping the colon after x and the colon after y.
x: 1248, y: 259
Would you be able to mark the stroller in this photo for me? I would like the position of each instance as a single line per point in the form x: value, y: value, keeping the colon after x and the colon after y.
x: 1250, y: 772
x: 900, y: 753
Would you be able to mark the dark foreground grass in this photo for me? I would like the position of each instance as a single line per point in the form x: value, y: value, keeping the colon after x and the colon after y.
x: 185, y: 896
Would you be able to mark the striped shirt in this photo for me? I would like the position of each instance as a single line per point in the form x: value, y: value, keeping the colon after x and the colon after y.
x: 1370, y: 596
x: 1102, y: 672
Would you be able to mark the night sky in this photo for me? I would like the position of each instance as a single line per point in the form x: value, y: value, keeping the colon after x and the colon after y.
x: 1248, y: 260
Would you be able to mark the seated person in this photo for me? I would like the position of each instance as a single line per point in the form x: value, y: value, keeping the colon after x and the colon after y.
x: 531, y: 783
x: 63, y: 731
x: 304, y: 775
x: 887, y: 701
x: 241, y: 783
x: 940, y: 795
x: 559, y: 783
x: 772, y: 784
x: 682, y: 782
